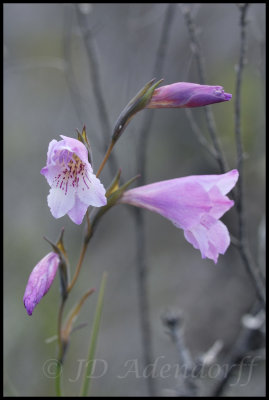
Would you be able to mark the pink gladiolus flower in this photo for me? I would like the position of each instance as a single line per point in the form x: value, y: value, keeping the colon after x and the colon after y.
x: 194, y: 204
x: 184, y: 94
x: 40, y: 281
x: 74, y: 187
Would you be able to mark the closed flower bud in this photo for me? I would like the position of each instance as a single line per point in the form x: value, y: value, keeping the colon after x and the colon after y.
x: 185, y: 94
x: 40, y: 280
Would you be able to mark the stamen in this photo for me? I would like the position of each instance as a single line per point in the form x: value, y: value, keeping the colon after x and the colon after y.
x: 74, y: 168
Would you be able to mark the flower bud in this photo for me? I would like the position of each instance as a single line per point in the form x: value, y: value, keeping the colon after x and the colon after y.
x: 185, y: 94
x: 40, y: 281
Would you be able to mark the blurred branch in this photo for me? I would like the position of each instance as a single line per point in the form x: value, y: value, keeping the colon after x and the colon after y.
x: 94, y: 69
x: 175, y: 324
x: 199, y: 134
x: 191, y: 370
x: 195, y: 47
x: 138, y: 213
x: 70, y: 76
x: 248, y: 340
x: 238, y: 136
x: 243, y: 246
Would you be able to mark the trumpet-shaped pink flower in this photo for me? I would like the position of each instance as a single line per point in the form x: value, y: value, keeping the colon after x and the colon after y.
x: 185, y: 94
x: 194, y: 204
x: 74, y: 187
x: 40, y: 281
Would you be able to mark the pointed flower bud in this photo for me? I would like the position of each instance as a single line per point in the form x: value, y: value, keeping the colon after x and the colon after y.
x: 40, y: 281
x: 185, y: 94
x: 74, y: 187
x: 194, y: 204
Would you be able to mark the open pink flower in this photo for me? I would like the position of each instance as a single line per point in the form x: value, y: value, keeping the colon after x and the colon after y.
x: 74, y: 187
x: 40, y: 281
x: 185, y: 94
x: 194, y: 204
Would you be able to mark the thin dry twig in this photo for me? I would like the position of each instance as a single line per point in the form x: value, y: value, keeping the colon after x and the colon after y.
x: 175, y: 324
x: 87, y: 34
x: 243, y: 246
x: 248, y: 340
x: 196, y: 49
x: 70, y: 76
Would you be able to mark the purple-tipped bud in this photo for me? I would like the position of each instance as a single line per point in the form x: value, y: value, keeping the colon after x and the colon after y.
x: 40, y: 281
x: 184, y: 94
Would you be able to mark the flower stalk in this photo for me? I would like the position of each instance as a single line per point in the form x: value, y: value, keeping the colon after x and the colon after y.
x: 93, y: 342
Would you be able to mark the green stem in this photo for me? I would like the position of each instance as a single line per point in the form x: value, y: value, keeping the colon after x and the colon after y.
x: 60, y: 345
x: 58, y: 379
x: 94, y: 337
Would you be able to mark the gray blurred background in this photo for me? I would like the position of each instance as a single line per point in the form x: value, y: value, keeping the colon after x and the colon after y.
x: 43, y: 47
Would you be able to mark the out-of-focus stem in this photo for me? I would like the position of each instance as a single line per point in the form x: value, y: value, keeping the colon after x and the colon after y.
x: 94, y: 337
x: 78, y: 268
x: 105, y: 158
x: 60, y: 351
x: 242, y: 245
x: 90, y: 46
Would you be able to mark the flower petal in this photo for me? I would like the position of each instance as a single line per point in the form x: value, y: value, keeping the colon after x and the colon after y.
x: 218, y: 236
x: 61, y: 200
x: 197, y: 236
x: 211, y: 237
x: 78, y: 148
x: 225, y: 182
x: 180, y: 200
x: 76, y: 214
x: 91, y: 191
x: 221, y: 203
x: 50, y: 172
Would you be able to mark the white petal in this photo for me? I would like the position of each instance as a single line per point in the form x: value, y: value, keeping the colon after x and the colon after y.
x: 76, y: 214
x: 91, y: 191
x: 60, y: 200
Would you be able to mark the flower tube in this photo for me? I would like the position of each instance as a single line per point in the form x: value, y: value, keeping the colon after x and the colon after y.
x: 194, y: 204
x: 74, y: 187
x: 185, y: 94
x: 40, y: 280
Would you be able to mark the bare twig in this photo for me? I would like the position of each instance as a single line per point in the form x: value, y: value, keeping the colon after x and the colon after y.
x: 248, y: 339
x: 199, y: 134
x: 195, y: 46
x: 70, y: 77
x: 243, y: 247
x: 175, y: 324
x: 138, y: 213
x: 238, y: 136
x: 95, y: 79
